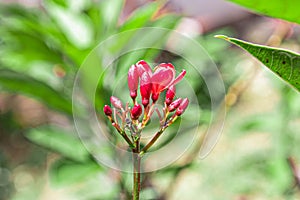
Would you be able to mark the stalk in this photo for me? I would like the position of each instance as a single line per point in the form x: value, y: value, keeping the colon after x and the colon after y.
x: 136, y: 171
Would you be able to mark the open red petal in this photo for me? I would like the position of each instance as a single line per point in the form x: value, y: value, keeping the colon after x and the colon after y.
x: 179, y: 77
x: 143, y: 67
x: 161, y: 79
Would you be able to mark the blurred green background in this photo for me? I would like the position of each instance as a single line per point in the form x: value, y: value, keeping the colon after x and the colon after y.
x: 44, y: 43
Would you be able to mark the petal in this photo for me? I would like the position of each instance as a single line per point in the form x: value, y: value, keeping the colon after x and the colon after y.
x: 133, y: 78
x: 143, y: 67
x: 136, y: 111
x: 146, y: 87
x: 182, y: 107
x: 170, y: 94
x: 174, y: 105
x: 166, y: 65
x: 161, y: 79
x: 107, y: 110
x: 179, y: 77
x: 116, y: 102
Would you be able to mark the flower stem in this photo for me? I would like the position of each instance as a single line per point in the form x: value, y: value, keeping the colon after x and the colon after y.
x: 152, y: 141
x: 157, y: 135
x: 136, y: 171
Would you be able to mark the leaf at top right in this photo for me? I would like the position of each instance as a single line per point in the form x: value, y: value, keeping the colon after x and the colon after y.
x: 284, y: 63
x: 287, y: 9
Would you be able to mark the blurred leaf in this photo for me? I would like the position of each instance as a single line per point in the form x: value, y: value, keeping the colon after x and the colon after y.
x: 77, y: 27
x: 29, y: 35
x: 282, y: 62
x: 25, y: 48
x: 140, y: 17
x: 287, y: 10
x: 60, y: 141
x: 111, y: 11
x: 65, y: 172
x: 17, y: 82
x: 63, y: 3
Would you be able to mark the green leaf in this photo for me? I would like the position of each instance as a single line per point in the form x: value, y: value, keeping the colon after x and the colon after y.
x: 60, y: 141
x: 140, y: 17
x: 111, y: 11
x: 21, y: 83
x: 283, y: 62
x: 66, y: 172
x: 287, y: 10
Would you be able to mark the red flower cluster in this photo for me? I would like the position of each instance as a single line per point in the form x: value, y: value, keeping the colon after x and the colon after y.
x: 151, y: 85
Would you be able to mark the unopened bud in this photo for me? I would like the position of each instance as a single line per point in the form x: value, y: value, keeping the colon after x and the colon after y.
x: 136, y: 111
x: 174, y: 105
x: 170, y: 94
x: 183, y: 105
x: 133, y: 81
x: 145, y: 89
x: 116, y: 102
x: 107, y: 110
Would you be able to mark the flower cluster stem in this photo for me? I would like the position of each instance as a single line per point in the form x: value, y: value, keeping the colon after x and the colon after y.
x: 136, y: 171
x: 157, y: 135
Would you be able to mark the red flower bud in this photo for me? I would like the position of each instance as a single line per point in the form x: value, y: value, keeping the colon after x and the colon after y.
x: 107, y: 110
x: 174, y: 105
x: 116, y: 102
x: 133, y: 81
x: 182, y: 107
x: 170, y: 94
x: 136, y: 111
x: 146, y: 87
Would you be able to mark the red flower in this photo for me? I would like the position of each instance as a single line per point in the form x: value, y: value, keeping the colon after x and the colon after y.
x: 142, y: 67
x: 163, y: 77
x: 182, y: 107
x: 174, y: 105
x: 136, y: 111
x: 107, y: 110
x: 145, y: 88
x: 153, y: 83
x: 133, y: 81
x: 170, y: 94
x: 116, y: 102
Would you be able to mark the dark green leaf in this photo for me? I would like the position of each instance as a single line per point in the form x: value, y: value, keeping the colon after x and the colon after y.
x: 60, y: 141
x: 287, y: 10
x: 21, y: 83
x: 284, y: 63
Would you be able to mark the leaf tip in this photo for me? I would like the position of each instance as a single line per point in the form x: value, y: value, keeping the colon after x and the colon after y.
x: 224, y: 37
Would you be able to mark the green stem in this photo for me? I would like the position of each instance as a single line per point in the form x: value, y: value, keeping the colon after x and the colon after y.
x: 123, y: 134
x: 152, y: 141
x: 156, y: 136
x: 136, y: 171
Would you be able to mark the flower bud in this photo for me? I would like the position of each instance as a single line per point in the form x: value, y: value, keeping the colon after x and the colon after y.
x: 107, y: 110
x: 170, y: 94
x: 145, y: 89
x: 182, y: 107
x: 174, y: 105
x: 116, y: 102
x: 136, y: 111
x: 133, y: 81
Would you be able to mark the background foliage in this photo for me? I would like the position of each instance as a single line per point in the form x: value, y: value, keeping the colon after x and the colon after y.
x: 41, y: 157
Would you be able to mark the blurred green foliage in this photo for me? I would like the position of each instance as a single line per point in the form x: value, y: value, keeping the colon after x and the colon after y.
x: 286, y: 10
x: 41, y: 49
